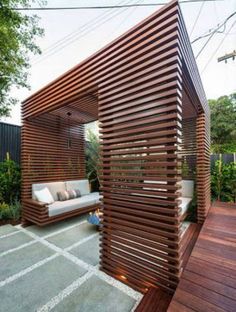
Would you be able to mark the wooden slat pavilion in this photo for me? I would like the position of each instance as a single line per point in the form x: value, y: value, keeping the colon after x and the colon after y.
x: 145, y: 89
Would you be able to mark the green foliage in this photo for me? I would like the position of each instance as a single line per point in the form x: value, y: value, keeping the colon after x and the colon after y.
x: 15, y: 209
x: 185, y: 168
x: 223, y: 181
x: 10, y: 179
x: 93, y: 160
x: 17, y: 35
x: 4, y: 211
x: 226, y: 148
x: 223, y: 118
x: 12, y: 211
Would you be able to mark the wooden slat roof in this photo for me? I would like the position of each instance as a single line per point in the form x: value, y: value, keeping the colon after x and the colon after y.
x: 91, y: 75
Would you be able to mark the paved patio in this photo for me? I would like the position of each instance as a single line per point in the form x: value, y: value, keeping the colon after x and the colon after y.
x: 56, y: 268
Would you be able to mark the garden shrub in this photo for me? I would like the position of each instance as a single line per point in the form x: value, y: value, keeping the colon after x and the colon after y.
x: 10, y: 181
x: 223, y: 181
x: 4, y: 211
x: 10, y: 211
x: 93, y: 161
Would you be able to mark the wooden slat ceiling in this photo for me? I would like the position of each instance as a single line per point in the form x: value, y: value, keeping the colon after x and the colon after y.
x: 82, y: 110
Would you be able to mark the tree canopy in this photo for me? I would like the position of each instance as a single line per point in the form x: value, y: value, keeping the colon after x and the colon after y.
x: 223, y: 124
x: 17, y: 39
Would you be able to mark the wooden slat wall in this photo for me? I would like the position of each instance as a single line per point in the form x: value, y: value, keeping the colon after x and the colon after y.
x: 140, y: 119
x: 203, y: 167
x: 192, y: 85
x: 45, y: 155
x: 139, y: 80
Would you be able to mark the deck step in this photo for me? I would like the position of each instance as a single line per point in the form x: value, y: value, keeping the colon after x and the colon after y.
x: 188, y: 241
x: 155, y: 300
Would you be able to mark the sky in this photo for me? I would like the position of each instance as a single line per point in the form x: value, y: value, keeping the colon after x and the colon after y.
x: 72, y: 35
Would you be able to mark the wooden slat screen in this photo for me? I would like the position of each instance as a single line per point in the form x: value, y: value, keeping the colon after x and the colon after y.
x: 45, y: 153
x: 203, y: 166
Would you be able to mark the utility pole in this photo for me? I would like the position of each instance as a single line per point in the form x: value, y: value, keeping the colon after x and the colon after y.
x: 227, y: 56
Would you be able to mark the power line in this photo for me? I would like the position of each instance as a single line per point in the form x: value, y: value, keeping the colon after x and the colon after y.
x: 214, y: 53
x: 124, y: 19
x: 81, y: 32
x: 199, y: 13
x: 103, y: 7
x: 205, y: 44
x: 217, y: 29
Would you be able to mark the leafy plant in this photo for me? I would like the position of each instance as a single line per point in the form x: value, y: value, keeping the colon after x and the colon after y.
x: 223, y: 131
x: 12, y: 211
x: 223, y: 181
x: 4, y: 211
x: 185, y: 168
x: 15, y: 210
x: 93, y: 160
x: 10, y: 179
x: 18, y: 32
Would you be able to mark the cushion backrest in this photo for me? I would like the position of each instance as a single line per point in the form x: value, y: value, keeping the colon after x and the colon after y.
x: 44, y: 196
x: 53, y: 187
x: 187, y: 188
x: 82, y: 185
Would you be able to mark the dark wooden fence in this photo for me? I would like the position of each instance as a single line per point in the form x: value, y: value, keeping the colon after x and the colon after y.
x: 226, y: 158
x: 10, y: 141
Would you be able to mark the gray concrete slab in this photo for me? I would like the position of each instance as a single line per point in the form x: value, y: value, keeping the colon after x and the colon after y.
x: 14, y: 241
x: 7, y: 229
x: 95, y: 295
x: 88, y: 251
x: 49, y: 229
x: 36, y: 288
x: 21, y: 259
x: 69, y: 237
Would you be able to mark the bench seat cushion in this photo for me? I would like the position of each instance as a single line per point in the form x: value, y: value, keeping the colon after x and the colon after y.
x: 185, y: 225
x: 187, y: 188
x: 59, y: 207
x: 185, y: 204
x: 95, y: 195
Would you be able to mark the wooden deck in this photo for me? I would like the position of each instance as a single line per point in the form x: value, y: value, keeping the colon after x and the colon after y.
x: 208, y: 283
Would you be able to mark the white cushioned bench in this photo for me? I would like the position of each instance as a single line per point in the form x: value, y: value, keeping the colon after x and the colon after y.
x: 187, y: 190
x: 59, y: 207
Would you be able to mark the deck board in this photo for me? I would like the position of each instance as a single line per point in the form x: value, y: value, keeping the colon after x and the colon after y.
x: 154, y: 300
x: 208, y: 282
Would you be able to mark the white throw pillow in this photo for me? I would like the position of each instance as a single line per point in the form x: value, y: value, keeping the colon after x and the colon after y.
x: 44, y: 196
